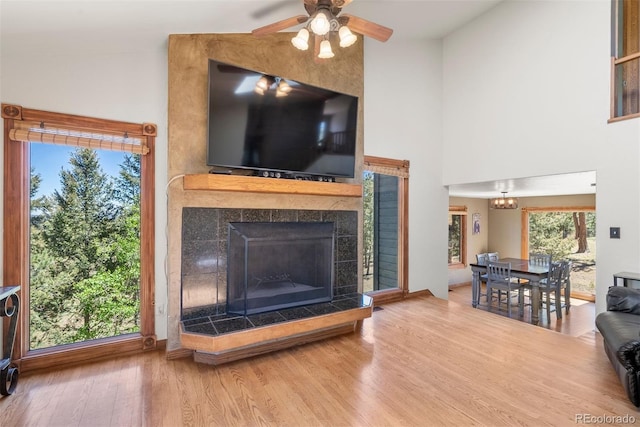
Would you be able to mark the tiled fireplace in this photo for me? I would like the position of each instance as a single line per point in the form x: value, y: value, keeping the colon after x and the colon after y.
x: 309, y: 257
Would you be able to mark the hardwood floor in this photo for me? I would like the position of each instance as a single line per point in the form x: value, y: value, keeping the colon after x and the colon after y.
x: 579, y: 323
x: 422, y: 361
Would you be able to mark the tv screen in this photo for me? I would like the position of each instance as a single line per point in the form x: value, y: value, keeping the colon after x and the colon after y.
x: 277, y: 126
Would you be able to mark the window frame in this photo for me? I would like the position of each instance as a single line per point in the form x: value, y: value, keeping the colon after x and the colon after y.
x: 524, y: 237
x: 622, y: 55
x: 462, y: 212
x: 399, y: 168
x: 16, y: 212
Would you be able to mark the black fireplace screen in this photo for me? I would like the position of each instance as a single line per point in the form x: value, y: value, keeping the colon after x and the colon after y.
x: 275, y: 265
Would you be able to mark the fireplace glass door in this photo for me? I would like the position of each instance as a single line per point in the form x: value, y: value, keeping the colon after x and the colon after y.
x: 277, y: 265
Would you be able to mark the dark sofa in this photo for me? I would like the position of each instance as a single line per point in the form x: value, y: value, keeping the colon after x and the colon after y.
x: 620, y: 328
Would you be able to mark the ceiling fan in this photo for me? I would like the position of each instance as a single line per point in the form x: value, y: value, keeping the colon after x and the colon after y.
x: 324, y: 18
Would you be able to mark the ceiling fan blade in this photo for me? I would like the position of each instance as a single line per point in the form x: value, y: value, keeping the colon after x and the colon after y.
x: 310, y: 6
x: 366, y: 28
x: 280, y: 25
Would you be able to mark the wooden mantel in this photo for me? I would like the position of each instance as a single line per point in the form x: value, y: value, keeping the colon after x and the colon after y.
x: 253, y: 184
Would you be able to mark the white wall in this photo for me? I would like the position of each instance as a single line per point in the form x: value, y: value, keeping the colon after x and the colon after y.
x: 526, y: 93
x: 403, y: 120
x: 527, y: 81
x: 617, y: 205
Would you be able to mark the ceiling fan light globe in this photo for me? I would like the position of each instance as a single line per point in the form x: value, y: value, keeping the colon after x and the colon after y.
x: 284, y: 87
x: 325, y: 50
x: 263, y: 83
x: 301, y: 40
x: 347, y: 38
x: 320, y: 24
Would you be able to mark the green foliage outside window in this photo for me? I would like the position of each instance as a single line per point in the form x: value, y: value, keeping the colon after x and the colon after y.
x: 555, y: 232
x: 85, y: 253
x: 367, y: 210
x: 455, y: 238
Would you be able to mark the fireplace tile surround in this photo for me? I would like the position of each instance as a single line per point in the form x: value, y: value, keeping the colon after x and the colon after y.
x: 204, y: 275
x: 212, y: 321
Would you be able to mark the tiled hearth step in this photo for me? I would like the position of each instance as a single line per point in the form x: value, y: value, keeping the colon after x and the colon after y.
x: 220, y: 338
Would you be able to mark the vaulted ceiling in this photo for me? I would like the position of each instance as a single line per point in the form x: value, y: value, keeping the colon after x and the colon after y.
x: 109, y: 25
x: 50, y: 27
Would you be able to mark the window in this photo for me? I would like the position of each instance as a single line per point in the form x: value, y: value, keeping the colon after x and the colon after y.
x: 568, y: 233
x: 112, y: 221
x: 457, y: 256
x: 385, y: 263
x: 625, y: 61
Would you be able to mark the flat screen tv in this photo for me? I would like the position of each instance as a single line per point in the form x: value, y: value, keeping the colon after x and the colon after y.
x: 277, y: 126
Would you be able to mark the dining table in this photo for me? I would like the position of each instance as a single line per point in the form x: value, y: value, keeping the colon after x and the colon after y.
x: 520, y: 269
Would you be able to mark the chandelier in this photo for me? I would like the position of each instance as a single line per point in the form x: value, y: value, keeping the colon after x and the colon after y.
x: 321, y: 24
x: 504, y: 202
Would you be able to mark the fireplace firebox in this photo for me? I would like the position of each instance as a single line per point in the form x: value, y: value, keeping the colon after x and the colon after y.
x: 276, y: 265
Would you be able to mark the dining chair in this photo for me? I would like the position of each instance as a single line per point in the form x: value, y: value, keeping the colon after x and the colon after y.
x: 481, y: 258
x: 493, y: 256
x: 538, y: 260
x: 488, y: 257
x: 499, y: 278
x: 552, y: 287
x: 566, y: 284
x: 542, y: 260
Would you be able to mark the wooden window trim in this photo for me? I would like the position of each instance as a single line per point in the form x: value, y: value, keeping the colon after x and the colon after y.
x: 16, y: 239
x: 399, y: 168
x: 624, y: 41
x: 462, y: 211
x: 457, y: 210
x: 622, y: 118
